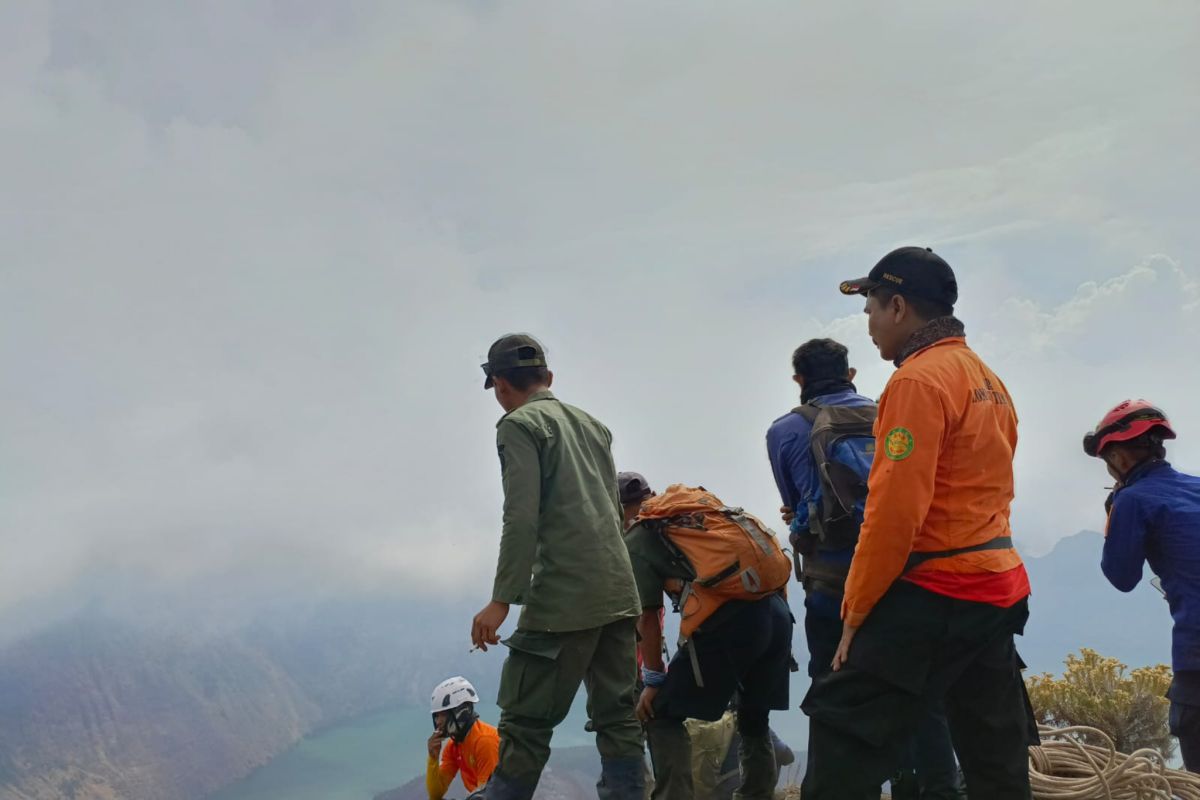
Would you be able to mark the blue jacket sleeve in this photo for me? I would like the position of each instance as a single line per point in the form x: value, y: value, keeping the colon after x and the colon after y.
x: 790, y: 464
x: 1125, y: 542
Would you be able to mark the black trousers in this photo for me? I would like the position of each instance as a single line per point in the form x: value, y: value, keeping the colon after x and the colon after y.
x: 918, y: 649
x: 749, y: 654
x: 1185, y: 716
x: 1185, y: 725
x: 931, y: 753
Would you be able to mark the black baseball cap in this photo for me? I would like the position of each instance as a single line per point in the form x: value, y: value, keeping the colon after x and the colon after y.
x: 912, y: 272
x: 632, y: 487
x: 510, y: 352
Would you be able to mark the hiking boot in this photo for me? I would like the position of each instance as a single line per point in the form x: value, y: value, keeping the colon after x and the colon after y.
x: 621, y: 779
x: 756, y: 755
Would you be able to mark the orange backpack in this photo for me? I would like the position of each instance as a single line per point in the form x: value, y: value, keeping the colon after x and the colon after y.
x: 734, y: 556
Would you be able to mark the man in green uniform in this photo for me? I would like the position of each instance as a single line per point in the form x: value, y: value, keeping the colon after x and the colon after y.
x: 563, y: 560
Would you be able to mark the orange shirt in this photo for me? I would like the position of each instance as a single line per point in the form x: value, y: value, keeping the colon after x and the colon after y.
x: 942, y: 479
x: 475, y: 758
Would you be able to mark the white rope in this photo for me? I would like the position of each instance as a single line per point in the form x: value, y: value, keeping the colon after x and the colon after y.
x: 1064, y: 768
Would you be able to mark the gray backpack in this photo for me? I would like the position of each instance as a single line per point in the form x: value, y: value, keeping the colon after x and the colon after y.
x: 843, y: 447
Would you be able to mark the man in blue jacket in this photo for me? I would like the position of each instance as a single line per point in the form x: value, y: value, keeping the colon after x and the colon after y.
x: 821, y: 368
x: 822, y: 371
x: 1154, y: 518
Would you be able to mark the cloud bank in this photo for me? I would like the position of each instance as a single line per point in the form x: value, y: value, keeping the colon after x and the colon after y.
x: 252, y: 253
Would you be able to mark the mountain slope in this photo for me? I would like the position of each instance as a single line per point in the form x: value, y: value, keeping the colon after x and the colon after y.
x: 1074, y: 606
x: 140, y: 715
x: 97, y: 708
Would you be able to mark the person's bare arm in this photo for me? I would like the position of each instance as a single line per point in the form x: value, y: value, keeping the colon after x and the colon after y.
x: 651, y: 634
x: 650, y: 639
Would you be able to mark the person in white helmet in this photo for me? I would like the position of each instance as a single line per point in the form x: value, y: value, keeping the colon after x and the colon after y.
x: 471, y: 746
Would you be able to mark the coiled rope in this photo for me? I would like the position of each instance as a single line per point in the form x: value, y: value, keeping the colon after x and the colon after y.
x: 1065, y: 768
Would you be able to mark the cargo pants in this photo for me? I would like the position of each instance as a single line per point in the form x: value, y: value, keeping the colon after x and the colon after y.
x: 538, y: 684
x: 916, y: 651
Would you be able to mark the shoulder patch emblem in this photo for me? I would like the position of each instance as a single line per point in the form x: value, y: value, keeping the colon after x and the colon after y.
x: 899, y: 444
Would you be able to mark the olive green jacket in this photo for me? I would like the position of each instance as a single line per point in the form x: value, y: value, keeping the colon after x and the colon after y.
x: 561, y: 552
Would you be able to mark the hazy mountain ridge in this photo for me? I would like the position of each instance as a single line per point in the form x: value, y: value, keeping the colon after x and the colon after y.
x: 96, y: 708
x: 1074, y: 606
x: 140, y: 715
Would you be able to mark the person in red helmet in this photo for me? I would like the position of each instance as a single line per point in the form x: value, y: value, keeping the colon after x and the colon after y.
x: 1154, y: 518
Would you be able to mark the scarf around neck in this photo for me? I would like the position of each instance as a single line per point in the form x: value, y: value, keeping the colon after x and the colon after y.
x: 814, y: 389
x: 931, y: 332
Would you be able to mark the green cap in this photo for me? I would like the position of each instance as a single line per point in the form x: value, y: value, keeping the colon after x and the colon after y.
x: 510, y: 352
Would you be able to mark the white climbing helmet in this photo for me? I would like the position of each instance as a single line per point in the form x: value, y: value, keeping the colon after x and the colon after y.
x: 452, y: 693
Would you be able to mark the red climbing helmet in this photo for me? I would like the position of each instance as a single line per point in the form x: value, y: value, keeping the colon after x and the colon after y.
x: 1129, y: 420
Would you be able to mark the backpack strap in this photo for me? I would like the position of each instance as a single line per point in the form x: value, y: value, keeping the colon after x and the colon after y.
x: 690, y: 646
x: 916, y: 559
x: 809, y: 411
x: 660, y: 526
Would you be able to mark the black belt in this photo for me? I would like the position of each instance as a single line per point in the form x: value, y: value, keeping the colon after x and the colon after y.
x: 917, y: 559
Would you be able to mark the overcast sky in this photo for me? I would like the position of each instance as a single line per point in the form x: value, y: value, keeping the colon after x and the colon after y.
x: 251, y: 254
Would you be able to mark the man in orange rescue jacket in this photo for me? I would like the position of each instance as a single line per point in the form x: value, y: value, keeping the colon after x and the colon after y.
x: 471, y: 746
x: 936, y: 590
